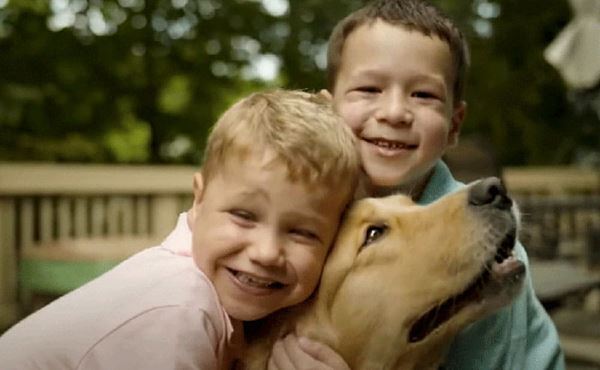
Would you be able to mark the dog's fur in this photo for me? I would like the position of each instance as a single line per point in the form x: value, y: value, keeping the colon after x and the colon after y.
x: 373, y: 294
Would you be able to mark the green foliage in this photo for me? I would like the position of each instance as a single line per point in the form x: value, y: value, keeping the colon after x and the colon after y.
x: 143, y: 80
x: 515, y: 97
x: 129, y: 143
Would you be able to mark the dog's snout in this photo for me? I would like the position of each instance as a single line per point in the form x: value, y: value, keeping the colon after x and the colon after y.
x: 489, y: 191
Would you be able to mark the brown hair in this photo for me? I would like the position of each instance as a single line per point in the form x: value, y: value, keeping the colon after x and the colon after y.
x: 413, y: 15
x: 300, y: 128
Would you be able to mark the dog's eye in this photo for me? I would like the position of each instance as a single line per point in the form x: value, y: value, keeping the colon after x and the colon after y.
x: 373, y: 233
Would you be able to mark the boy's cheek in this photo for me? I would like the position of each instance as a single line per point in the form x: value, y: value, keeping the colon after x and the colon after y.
x: 352, y: 114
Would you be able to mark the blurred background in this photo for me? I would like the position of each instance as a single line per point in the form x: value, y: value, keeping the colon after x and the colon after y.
x: 140, y: 81
x: 105, y: 106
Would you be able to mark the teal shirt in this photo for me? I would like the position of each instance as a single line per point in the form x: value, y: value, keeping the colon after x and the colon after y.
x: 518, y: 337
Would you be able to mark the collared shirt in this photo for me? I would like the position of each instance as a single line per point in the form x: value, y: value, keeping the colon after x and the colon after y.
x: 518, y: 337
x: 156, y: 310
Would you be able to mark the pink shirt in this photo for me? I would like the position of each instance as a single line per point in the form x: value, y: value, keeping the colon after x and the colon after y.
x: 156, y: 310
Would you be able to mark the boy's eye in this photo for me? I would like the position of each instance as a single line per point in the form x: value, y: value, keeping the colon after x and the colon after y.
x: 368, y: 89
x: 306, y: 234
x: 242, y: 214
x: 424, y: 95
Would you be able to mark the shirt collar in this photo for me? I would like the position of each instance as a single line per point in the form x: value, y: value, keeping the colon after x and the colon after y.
x: 440, y: 183
x: 179, y: 241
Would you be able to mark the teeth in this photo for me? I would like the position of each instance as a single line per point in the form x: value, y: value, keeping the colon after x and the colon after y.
x: 502, y: 255
x: 257, y: 282
x: 506, y: 247
x: 389, y: 144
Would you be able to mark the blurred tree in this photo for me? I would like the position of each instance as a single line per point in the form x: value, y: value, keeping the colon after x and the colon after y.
x: 76, y: 74
x: 516, y: 99
x: 525, y: 99
x: 143, y: 80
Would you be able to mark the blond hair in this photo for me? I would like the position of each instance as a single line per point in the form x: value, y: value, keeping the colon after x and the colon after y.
x: 300, y: 128
x: 413, y: 15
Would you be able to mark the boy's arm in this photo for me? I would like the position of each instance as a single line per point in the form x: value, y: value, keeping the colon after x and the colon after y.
x: 165, y: 338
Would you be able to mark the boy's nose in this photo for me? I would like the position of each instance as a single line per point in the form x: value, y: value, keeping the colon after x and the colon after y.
x: 394, y: 109
x: 267, y: 251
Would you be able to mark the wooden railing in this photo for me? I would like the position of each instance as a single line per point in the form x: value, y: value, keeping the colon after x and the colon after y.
x: 41, y: 204
x: 560, y: 211
x: 552, y: 181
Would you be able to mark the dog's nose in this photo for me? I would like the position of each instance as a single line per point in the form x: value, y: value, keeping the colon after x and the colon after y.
x: 489, y: 191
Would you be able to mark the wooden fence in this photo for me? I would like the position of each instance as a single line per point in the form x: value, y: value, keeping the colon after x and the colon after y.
x: 45, y: 203
x: 560, y: 211
x: 552, y: 181
x: 41, y: 204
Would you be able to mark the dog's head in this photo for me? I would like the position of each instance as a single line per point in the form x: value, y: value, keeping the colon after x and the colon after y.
x: 403, y: 279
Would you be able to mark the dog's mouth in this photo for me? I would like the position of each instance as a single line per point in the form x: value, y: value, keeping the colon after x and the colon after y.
x: 502, y: 271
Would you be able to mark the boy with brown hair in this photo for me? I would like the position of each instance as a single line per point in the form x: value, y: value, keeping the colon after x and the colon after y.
x: 396, y: 72
x: 279, y: 170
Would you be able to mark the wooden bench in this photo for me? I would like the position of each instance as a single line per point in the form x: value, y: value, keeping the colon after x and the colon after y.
x: 561, y: 231
x: 579, y: 332
x: 61, y: 225
x: 52, y: 269
x: 557, y: 281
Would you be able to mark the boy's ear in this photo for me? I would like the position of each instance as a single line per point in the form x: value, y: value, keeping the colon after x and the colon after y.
x: 198, y: 192
x: 198, y: 188
x: 458, y: 116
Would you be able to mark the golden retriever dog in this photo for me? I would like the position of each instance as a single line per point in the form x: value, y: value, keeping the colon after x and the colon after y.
x: 402, y: 280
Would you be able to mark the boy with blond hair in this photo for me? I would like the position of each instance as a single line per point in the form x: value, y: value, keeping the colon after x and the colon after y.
x: 279, y: 170
x: 396, y: 72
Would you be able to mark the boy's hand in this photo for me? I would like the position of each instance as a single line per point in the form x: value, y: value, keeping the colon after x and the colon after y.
x: 293, y: 353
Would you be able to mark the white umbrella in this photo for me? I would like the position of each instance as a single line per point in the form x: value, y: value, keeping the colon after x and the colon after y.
x: 575, y: 52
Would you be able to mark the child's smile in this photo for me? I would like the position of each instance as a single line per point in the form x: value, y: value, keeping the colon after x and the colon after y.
x: 254, y: 284
x: 390, y: 148
x: 394, y: 89
x: 260, y: 237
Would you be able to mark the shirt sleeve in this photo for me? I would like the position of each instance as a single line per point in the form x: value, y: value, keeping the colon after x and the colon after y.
x: 173, y: 337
